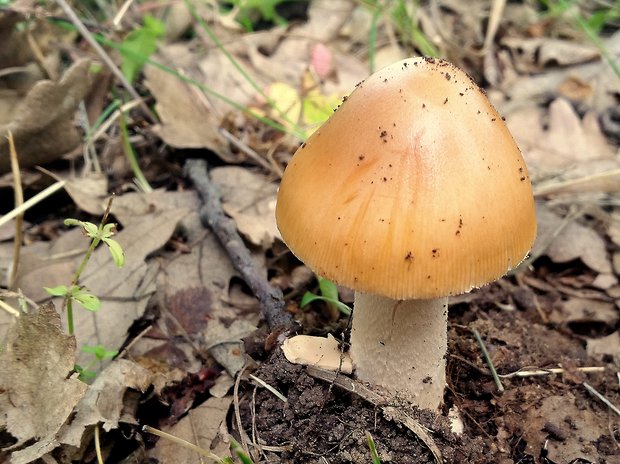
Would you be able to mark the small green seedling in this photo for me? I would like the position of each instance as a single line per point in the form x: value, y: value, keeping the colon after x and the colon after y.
x: 329, y: 294
x: 139, y: 45
x: 100, y: 353
x: 373, y: 449
x: 74, y: 292
x: 248, y: 10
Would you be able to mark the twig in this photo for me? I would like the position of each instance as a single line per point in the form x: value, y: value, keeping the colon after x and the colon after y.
x: 98, y: 445
x: 487, y: 357
x: 245, y: 148
x: 9, y: 309
x: 77, y: 22
x: 609, y: 404
x: 390, y: 412
x: 556, y: 370
x: 32, y: 201
x: 265, y: 385
x: 19, y: 200
x: 180, y: 441
x: 213, y: 216
x: 242, y: 434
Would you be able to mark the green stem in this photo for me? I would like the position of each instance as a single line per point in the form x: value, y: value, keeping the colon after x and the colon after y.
x: 70, y: 315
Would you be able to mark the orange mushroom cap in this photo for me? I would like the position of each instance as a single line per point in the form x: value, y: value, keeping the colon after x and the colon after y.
x: 414, y: 188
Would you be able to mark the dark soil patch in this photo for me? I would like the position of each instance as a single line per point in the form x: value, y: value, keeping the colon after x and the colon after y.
x: 547, y: 419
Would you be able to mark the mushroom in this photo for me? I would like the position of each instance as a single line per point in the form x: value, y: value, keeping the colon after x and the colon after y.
x: 412, y: 191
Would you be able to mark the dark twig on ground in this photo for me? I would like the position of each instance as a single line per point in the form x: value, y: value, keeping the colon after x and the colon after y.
x: 213, y: 216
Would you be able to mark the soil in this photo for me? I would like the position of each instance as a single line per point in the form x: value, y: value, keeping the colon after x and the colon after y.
x: 548, y: 419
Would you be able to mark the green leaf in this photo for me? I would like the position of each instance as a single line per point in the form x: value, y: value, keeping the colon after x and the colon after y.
x: 328, y: 288
x: 89, y: 301
x: 99, y: 351
x: 72, y: 222
x: 139, y: 45
x: 118, y: 255
x: 84, y: 374
x: 61, y: 290
x: 236, y: 449
x: 108, y: 230
x: 310, y: 297
x: 91, y: 229
x: 373, y: 449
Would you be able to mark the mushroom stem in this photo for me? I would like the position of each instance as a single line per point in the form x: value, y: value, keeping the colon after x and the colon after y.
x: 401, y: 345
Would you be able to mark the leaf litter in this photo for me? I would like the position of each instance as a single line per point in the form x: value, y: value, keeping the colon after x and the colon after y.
x: 184, y: 321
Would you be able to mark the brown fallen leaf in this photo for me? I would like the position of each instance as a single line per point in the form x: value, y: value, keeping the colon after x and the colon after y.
x: 605, y: 346
x: 599, y: 76
x: 564, y: 141
x: 42, y: 124
x: 37, y: 388
x: 250, y: 199
x: 573, y: 241
x: 103, y: 402
x: 574, y: 429
x: 585, y: 311
x: 202, y: 426
x: 186, y: 119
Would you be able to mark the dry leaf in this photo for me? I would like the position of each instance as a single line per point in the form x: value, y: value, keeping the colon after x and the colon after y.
x: 599, y: 75
x: 581, y: 433
x: 89, y: 192
x: 206, y: 270
x: 201, y: 426
x: 585, y: 311
x: 568, y: 140
x: 42, y: 124
x: 606, y: 346
x: 574, y: 241
x: 534, y: 54
x: 103, y: 403
x: 250, y: 199
x: 225, y: 343
x: 186, y: 119
x: 37, y: 389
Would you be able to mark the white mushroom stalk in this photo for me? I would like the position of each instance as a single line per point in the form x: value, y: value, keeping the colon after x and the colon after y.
x: 401, y: 345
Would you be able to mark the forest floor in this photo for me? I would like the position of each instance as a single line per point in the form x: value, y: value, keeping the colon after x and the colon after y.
x: 175, y: 321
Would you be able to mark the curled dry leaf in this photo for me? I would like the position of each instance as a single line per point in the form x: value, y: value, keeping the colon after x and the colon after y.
x: 203, y: 426
x: 104, y: 401
x: 567, y: 141
x: 42, y: 123
x: 250, y: 199
x: 573, y: 241
x: 37, y: 390
x: 535, y: 54
x: 187, y: 120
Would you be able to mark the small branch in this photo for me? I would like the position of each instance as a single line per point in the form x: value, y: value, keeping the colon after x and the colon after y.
x: 19, y: 200
x: 105, y: 57
x: 487, y: 357
x: 608, y: 403
x: 213, y: 216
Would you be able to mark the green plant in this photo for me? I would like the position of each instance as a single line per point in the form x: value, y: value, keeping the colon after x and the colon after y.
x: 249, y: 12
x: 591, y: 24
x: 402, y: 14
x: 99, y: 353
x: 329, y: 294
x: 74, y: 292
x: 373, y: 449
x: 139, y: 45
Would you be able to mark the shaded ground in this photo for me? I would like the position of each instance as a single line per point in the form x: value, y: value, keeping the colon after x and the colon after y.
x: 179, y: 313
x: 546, y: 418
